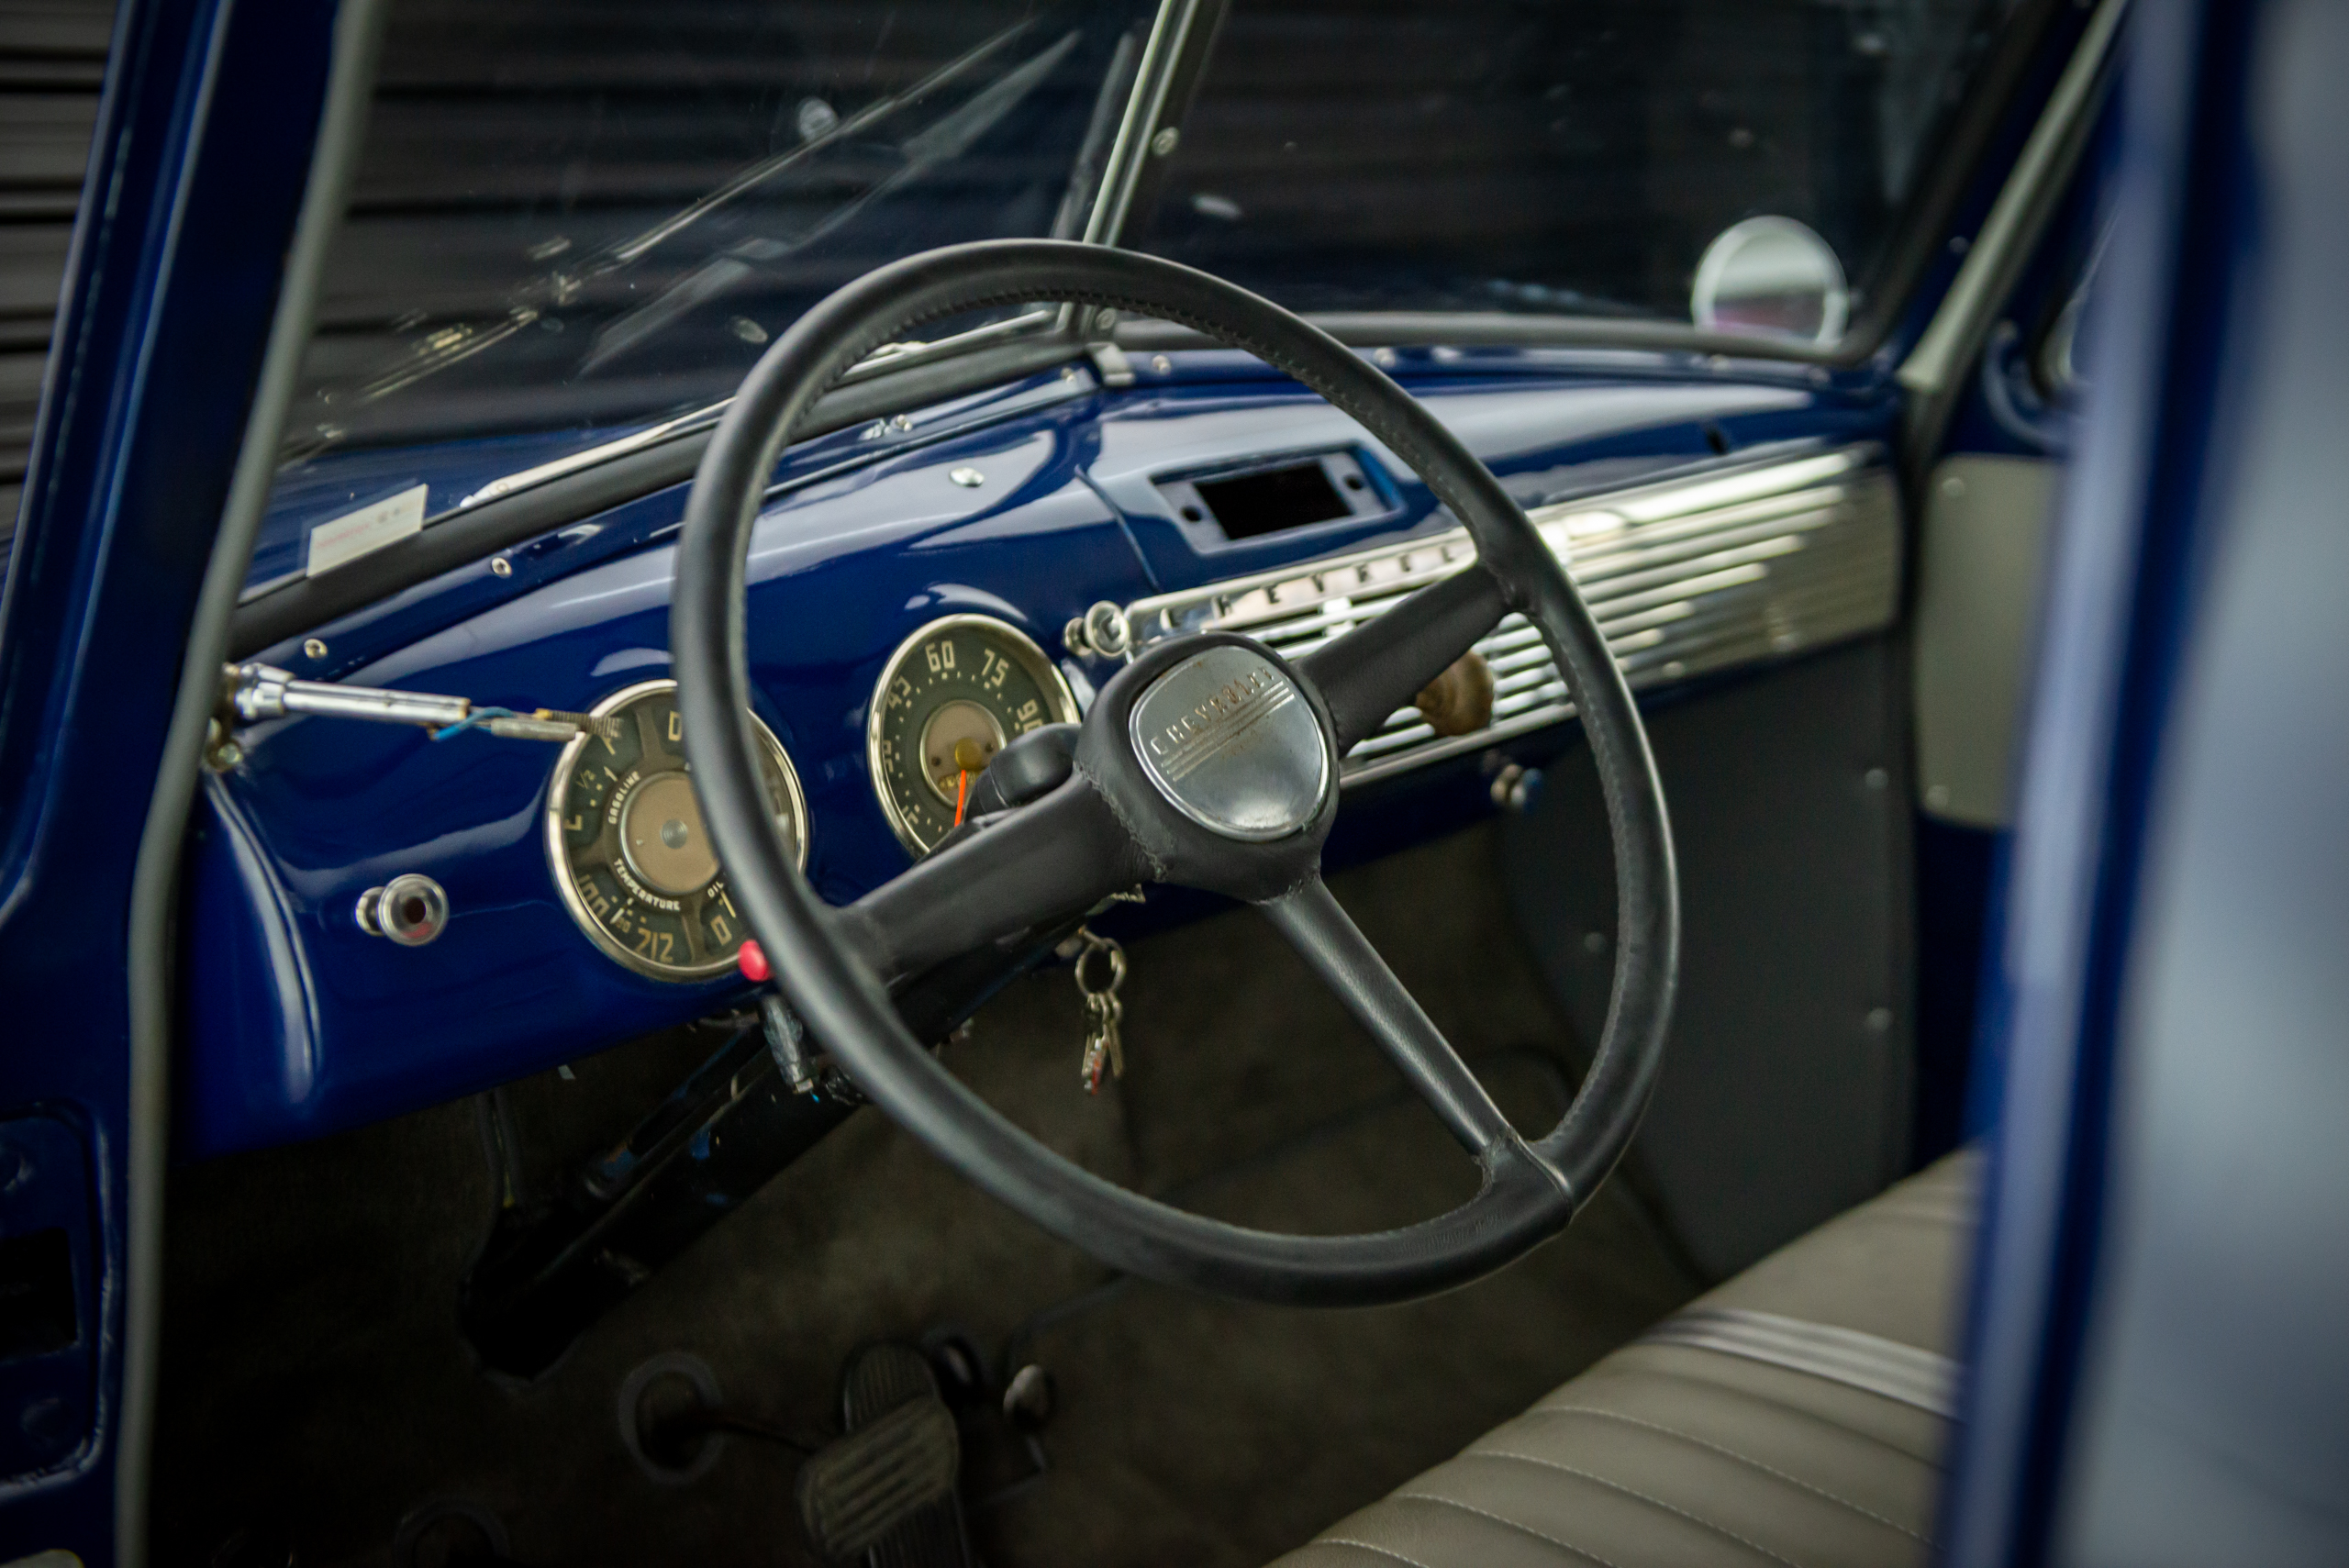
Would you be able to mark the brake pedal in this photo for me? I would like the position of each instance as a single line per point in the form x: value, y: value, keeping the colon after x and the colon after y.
x: 887, y: 1490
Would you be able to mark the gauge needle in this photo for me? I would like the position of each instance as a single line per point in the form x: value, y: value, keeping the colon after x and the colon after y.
x: 969, y: 758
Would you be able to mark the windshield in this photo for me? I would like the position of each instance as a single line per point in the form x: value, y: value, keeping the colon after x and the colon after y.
x: 574, y: 219
x: 578, y: 214
x: 1570, y: 157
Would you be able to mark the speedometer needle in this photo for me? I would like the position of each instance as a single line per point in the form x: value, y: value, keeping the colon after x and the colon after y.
x: 969, y: 758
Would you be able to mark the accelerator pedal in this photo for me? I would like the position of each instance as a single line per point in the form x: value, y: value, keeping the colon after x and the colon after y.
x: 887, y: 1491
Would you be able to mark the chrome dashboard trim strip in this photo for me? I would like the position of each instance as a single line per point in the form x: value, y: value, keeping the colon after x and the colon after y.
x: 1721, y: 568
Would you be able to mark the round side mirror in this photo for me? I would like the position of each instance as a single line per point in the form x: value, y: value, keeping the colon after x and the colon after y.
x: 1771, y: 274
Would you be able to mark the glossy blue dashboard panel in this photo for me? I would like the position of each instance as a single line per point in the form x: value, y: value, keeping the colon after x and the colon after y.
x: 301, y: 1024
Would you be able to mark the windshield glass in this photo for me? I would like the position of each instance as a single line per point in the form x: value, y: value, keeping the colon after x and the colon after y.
x: 583, y: 214
x: 1562, y: 158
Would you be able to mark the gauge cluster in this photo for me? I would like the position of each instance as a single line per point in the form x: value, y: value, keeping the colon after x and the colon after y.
x: 625, y: 839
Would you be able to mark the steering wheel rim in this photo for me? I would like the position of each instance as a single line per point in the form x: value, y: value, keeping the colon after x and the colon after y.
x: 1530, y: 1190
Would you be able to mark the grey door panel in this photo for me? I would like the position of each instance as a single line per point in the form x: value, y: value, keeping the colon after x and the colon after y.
x: 1784, y: 1096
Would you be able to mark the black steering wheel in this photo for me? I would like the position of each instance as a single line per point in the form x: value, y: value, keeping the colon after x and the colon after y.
x: 1208, y: 762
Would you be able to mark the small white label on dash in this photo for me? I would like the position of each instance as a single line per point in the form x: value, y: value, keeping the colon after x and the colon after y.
x: 365, y: 531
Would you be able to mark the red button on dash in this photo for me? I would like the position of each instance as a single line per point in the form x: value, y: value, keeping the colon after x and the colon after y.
x: 752, y: 961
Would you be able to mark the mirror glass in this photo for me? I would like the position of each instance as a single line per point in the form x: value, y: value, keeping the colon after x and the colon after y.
x: 1771, y: 274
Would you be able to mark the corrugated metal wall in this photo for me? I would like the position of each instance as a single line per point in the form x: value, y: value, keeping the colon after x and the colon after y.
x: 52, y: 55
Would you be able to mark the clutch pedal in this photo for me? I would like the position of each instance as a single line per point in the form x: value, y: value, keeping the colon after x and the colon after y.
x: 887, y: 1490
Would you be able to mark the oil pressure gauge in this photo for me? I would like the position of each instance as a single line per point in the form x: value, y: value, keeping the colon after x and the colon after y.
x: 949, y: 699
x: 626, y: 839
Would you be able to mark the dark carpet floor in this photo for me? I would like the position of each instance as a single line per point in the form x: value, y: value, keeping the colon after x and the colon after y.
x: 315, y: 1392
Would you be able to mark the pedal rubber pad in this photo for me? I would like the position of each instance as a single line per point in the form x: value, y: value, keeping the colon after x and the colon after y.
x: 887, y: 1489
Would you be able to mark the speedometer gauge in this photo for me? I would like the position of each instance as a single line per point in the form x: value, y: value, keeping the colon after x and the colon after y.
x: 950, y: 698
x: 626, y: 839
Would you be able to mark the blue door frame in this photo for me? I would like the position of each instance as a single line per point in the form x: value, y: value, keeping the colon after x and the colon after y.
x: 2197, y: 505
x: 205, y: 128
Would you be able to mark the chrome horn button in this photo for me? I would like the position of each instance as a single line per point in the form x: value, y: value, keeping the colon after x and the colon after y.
x: 1231, y: 743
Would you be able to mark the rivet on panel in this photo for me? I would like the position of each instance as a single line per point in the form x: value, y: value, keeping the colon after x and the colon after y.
x: 313, y: 649
x: 500, y: 567
x: 968, y: 478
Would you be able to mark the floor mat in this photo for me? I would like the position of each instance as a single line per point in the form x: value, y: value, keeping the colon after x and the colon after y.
x: 1200, y: 1431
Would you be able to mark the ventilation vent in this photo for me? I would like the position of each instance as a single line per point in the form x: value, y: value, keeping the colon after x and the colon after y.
x: 1732, y: 566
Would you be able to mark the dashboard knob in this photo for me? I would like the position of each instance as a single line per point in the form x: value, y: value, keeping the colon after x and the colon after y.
x: 410, y: 909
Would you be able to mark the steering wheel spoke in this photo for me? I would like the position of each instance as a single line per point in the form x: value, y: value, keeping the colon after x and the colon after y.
x: 1045, y: 862
x: 1325, y: 937
x: 1381, y: 665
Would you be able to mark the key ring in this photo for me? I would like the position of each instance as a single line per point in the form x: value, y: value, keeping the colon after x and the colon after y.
x: 1097, y: 946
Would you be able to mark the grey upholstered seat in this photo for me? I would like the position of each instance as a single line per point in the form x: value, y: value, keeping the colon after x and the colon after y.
x: 1794, y: 1416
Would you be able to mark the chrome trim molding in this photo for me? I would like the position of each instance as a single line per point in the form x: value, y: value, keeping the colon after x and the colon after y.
x: 1169, y: 32
x: 1729, y: 566
x: 1951, y: 337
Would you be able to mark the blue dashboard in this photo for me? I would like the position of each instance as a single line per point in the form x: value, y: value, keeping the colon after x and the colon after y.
x: 1030, y: 503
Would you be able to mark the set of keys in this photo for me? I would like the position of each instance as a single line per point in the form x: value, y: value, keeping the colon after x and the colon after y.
x: 1104, y: 1051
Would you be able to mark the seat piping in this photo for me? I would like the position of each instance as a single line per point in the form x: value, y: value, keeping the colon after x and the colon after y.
x: 1875, y: 1366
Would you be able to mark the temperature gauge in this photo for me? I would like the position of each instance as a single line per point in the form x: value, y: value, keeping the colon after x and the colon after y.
x: 629, y: 852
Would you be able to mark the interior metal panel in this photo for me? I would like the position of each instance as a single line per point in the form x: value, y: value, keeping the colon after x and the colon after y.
x: 1785, y: 1092
x: 1980, y: 556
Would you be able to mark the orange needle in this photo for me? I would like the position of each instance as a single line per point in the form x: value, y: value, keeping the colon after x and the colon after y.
x: 962, y: 794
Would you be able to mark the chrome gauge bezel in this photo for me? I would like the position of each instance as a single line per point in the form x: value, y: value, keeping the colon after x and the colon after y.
x: 1024, y: 651
x: 557, y: 860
